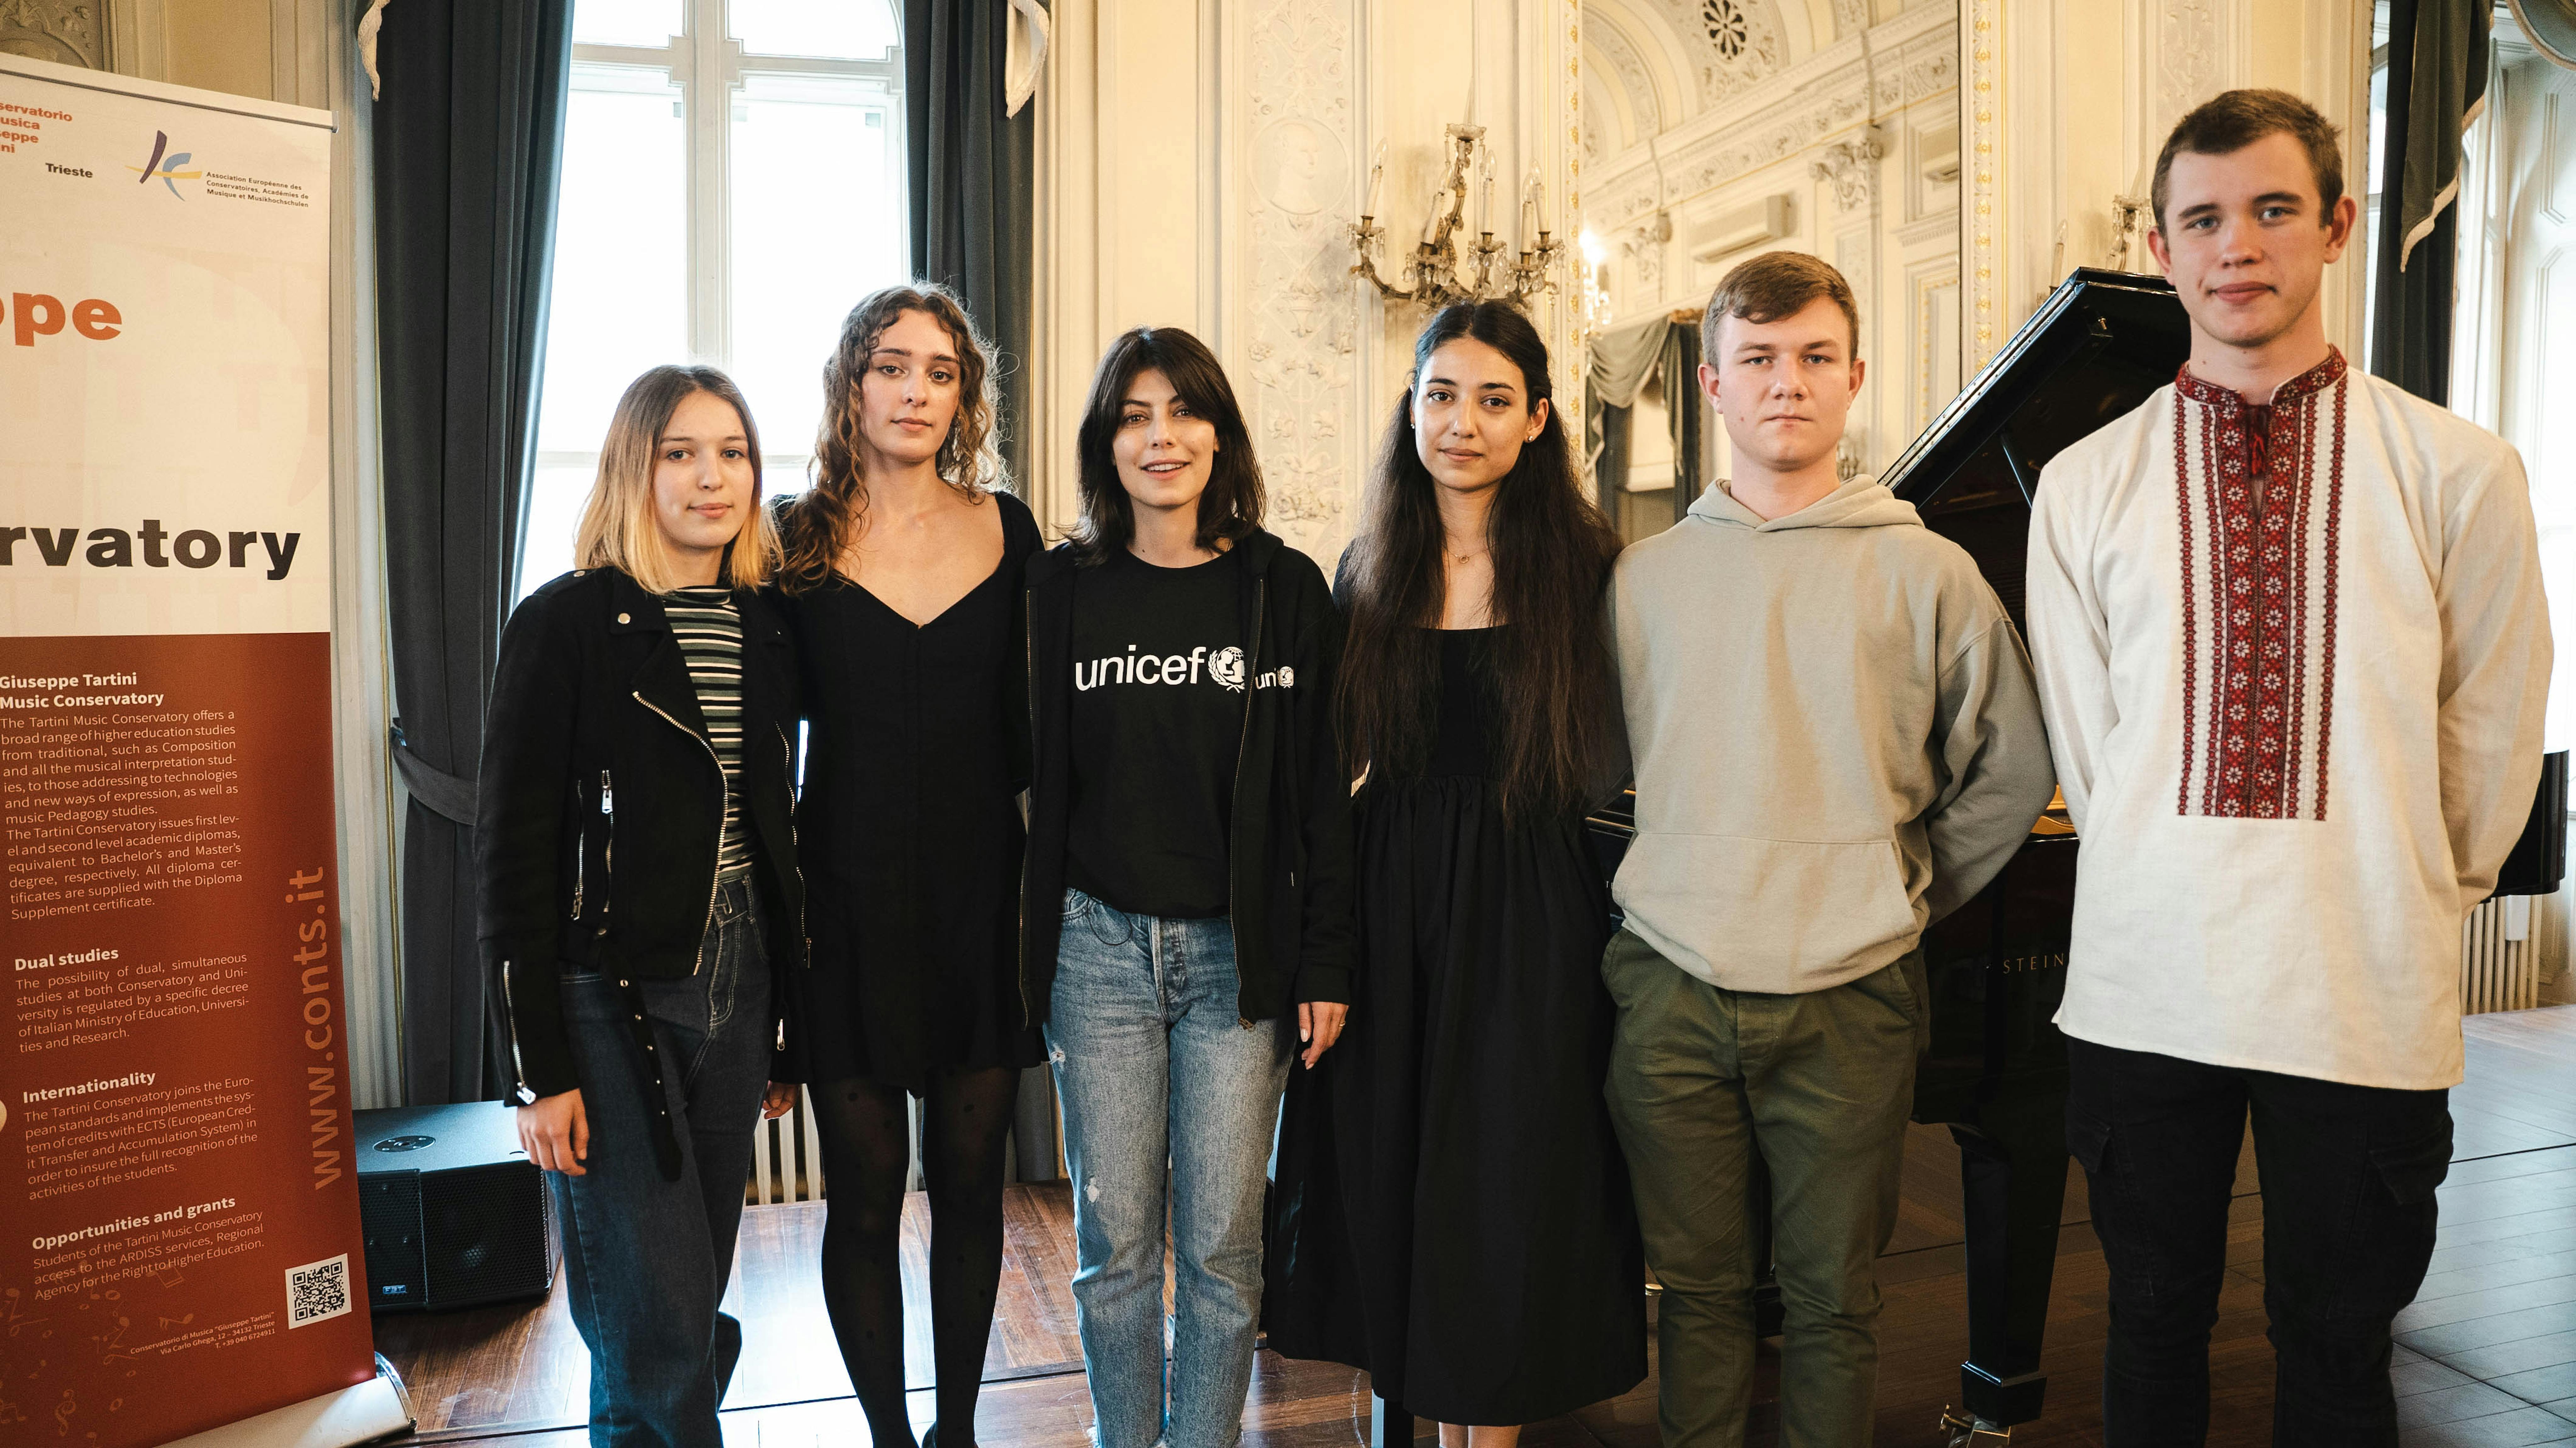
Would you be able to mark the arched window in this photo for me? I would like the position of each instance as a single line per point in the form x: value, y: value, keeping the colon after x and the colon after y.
x: 733, y: 181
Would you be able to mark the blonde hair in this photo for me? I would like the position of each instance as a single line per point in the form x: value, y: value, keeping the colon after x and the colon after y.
x: 618, y: 529
x: 823, y: 519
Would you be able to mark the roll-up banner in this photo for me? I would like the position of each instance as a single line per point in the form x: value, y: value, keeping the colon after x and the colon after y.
x: 179, y: 1240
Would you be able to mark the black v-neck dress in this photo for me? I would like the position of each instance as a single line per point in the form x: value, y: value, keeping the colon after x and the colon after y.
x: 909, y: 828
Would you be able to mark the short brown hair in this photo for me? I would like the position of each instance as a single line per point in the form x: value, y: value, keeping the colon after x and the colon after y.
x: 1773, y: 285
x: 2233, y: 120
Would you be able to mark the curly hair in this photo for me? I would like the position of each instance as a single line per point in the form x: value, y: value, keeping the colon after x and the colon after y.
x: 821, y: 522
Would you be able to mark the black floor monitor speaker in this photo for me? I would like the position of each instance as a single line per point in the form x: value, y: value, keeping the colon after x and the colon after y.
x: 455, y: 1214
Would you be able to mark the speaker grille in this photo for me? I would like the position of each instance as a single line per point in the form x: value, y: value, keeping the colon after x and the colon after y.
x: 389, y: 1217
x: 491, y: 1231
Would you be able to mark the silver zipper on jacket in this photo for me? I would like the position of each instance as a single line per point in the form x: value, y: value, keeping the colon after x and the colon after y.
x: 608, y: 846
x: 715, y: 870
x: 580, y: 847
x: 787, y: 761
x: 510, y: 1008
x: 1243, y: 751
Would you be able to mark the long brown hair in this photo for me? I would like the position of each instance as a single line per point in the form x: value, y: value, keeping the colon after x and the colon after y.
x: 1551, y: 551
x: 1231, y: 505
x: 618, y: 529
x: 821, y: 522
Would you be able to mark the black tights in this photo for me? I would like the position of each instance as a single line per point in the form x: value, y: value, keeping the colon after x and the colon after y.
x: 866, y: 1149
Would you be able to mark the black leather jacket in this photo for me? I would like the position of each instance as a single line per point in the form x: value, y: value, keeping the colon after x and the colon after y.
x: 594, y: 738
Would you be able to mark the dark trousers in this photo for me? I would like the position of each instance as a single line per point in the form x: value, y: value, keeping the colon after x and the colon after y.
x: 2348, y: 1174
x: 647, y: 1257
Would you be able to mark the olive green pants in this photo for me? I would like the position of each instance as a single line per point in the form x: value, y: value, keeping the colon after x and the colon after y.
x: 1702, y: 1079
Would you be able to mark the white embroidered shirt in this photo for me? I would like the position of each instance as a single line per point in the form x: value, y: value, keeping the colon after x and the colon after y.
x: 2294, y: 660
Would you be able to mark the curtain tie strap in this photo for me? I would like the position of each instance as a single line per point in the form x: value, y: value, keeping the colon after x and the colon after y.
x: 447, y: 795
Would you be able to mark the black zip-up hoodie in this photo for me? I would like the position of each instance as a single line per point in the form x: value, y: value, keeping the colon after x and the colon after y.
x: 593, y: 736
x: 1289, y: 858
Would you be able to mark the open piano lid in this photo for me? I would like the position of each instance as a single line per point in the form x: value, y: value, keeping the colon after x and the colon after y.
x: 2096, y: 348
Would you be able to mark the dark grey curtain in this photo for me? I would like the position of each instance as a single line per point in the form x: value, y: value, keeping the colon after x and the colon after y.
x: 1605, y: 441
x: 1685, y: 412
x: 2437, y: 80
x: 973, y: 179
x: 973, y: 176
x: 469, y: 141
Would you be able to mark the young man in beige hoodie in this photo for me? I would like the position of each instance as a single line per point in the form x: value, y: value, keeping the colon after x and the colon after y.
x: 1837, y: 742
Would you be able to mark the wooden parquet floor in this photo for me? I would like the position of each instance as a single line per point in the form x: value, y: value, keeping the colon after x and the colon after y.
x: 2486, y: 1355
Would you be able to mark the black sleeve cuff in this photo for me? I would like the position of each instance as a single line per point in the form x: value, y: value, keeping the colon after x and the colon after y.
x: 1324, y: 985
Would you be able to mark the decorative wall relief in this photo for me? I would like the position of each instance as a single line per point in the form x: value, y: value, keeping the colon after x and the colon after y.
x: 1626, y: 69
x: 1784, y: 116
x: 2189, y: 59
x: 66, y: 32
x: 1742, y: 42
x: 1853, y: 168
x: 1302, y: 326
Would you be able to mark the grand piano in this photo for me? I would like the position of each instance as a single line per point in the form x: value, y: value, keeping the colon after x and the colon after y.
x: 1995, y: 1073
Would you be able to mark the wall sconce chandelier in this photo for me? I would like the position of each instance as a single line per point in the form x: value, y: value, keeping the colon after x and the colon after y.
x: 1436, y: 273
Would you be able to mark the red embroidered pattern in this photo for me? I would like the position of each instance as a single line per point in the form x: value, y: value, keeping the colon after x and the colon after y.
x: 2256, y: 506
x: 2190, y: 633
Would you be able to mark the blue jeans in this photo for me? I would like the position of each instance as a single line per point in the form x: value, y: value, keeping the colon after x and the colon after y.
x: 647, y: 1258
x: 1158, y: 1072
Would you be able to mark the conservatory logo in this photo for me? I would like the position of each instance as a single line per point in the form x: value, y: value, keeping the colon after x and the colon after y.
x: 165, y: 166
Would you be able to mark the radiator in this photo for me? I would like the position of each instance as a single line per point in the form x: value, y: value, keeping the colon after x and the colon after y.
x: 2499, y: 960
x: 787, y: 1156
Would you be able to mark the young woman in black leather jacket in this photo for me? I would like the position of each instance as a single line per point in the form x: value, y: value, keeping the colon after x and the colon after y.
x: 639, y: 894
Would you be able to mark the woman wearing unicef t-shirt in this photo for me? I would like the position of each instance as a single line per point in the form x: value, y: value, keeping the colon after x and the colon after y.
x: 1188, y: 890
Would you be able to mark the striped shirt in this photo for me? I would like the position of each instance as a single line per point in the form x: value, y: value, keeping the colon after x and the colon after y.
x: 710, y: 633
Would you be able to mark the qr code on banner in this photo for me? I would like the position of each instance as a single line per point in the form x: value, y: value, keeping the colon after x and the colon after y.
x: 317, y: 1291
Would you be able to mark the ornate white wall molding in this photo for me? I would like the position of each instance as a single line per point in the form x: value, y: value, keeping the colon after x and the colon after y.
x: 1626, y: 69
x: 1301, y: 328
x: 66, y: 32
x: 1737, y: 43
x: 1852, y: 167
x: 1810, y: 114
x: 1917, y: 57
x: 1981, y: 117
x: 2191, y: 58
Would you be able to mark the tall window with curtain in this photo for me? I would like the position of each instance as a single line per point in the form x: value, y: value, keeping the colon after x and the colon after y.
x: 733, y: 181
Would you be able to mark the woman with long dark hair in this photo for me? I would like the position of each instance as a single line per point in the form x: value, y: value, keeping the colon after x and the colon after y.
x: 639, y: 898
x: 903, y: 573
x: 1187, y: 911
x: 1453, y: 1211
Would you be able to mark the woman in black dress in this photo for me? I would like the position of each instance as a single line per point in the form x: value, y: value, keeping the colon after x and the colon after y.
x: 1453, y: 1211
x: 903, y: 570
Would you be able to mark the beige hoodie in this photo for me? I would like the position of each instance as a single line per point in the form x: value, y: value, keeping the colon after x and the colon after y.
x: 1837, y: 740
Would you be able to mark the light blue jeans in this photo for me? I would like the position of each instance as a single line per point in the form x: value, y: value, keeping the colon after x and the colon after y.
x: 1158, y: 1073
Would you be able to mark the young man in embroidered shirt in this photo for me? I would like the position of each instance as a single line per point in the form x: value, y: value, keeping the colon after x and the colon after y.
x: 2290, y: 636
x: 1837, y: 741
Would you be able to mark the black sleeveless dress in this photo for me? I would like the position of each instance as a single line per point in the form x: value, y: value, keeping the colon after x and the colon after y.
x: 909, y: 829
x: 1452, y: 1210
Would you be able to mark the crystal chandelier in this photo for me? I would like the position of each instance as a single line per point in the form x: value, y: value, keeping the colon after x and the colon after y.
x: 1440, y: 270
